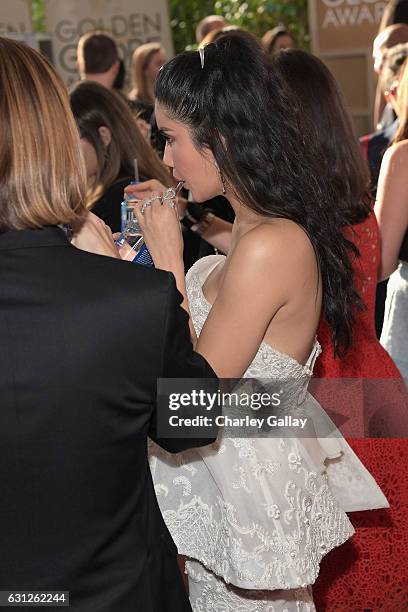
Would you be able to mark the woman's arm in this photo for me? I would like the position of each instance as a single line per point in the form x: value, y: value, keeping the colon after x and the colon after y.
x: 161, y: 229
x: 215, y: 231
x: 391, y: 206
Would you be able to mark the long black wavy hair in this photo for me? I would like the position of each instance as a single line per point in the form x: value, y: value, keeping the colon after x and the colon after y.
x: 239, y: 107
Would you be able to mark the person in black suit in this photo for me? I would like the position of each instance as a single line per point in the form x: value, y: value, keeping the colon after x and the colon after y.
x: 83, y: 339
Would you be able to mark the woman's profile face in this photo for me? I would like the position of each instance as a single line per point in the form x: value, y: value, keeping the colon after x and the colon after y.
x: 156, y: 61
x: 197, y: 168
x: 91, y: 160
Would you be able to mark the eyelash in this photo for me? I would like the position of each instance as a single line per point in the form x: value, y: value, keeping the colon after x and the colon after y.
x: 168, y: 139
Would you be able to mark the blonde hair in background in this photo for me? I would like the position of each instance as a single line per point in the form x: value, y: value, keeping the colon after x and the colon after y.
x: 140, y: 60
x: 402, y: 104
x: 42, y: 176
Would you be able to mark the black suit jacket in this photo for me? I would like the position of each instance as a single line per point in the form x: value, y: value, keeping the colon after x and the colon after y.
x: 83, y: 339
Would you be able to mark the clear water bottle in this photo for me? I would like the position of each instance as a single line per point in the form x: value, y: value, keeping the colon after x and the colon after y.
x: 124, y: 207
x: 131, y: 242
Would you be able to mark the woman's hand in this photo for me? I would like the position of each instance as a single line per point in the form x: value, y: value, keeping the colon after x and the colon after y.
x: 145, y: 190
x: 148, y: 189
x: 161, y: 229
x: 94, y: 236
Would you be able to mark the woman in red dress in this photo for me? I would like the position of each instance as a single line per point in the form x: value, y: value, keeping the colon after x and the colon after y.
x: 370, y: 571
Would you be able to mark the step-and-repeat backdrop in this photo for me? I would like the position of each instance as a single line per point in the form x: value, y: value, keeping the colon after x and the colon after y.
x: 130, y: 22
x: 342, y: 36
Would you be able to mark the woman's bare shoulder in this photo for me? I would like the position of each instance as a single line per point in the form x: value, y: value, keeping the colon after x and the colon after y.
x: 396, y: 153
x: 272, y: 259
x: 279, y: 238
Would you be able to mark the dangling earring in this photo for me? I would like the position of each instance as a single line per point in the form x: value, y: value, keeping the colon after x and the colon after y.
x: 224, y: 191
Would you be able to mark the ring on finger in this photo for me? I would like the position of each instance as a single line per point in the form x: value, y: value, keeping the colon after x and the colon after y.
x: 144, y: 206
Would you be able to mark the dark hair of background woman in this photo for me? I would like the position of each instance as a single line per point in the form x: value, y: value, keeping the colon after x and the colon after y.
x: 258, y: 132
x: 94, y: 106
x: 328, y: 129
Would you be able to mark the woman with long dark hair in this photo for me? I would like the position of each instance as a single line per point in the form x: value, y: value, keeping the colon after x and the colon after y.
x: 256, y: 516
x: 111, y: 141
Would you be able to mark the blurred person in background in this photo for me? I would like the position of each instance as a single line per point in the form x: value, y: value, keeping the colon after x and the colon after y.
x: 111, y: 141
x: 374, y: 145
x: 392, y: 212
x: 147, y: 60
x: 390, y: 37
x: 208, y: 24
x: 395, y: 13
x: 388, y: 62
x: 277, y: 39
x: 98, y: 58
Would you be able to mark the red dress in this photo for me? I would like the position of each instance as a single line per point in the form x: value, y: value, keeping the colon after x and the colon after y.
x: 370, y: 571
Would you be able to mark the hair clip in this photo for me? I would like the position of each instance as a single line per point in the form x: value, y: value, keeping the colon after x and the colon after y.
x: 201, y: 52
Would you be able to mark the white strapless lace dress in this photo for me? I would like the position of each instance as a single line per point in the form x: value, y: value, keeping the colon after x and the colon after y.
x: 259, y: 513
